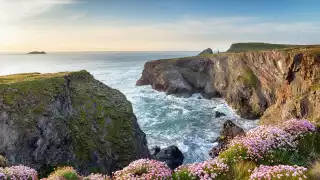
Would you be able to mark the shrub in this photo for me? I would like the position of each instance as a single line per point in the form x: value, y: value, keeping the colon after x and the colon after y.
x: 3, y: 161
x: 281, y: 172
x: 64, y: 173
x: 212, y: 169
x: 18, y: 172
x: 144, y: 169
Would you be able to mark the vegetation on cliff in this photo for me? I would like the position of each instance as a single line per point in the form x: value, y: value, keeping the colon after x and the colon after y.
x: 258, y: 46
x: 69, y: 118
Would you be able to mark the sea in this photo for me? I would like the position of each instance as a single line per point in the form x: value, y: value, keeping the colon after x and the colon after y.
x: 188, y: 123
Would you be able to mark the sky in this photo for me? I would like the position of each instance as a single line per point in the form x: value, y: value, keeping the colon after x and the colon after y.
x: 154, y: 25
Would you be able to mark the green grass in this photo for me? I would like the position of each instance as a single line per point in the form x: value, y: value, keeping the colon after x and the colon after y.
x: 257, y: 46
x: 249, y: 78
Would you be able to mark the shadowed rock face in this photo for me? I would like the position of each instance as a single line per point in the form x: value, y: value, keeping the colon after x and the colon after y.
x: 171, y: 155
x: 250, y: 82
x: 51, y: 120
x: 228, y: 131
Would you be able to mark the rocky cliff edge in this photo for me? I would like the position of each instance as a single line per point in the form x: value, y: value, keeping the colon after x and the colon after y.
x: 51, y: 120
x: 277, y: 84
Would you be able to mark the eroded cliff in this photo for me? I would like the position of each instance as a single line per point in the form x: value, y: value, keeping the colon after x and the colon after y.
x: 250, y: 82
x: 51, y: 120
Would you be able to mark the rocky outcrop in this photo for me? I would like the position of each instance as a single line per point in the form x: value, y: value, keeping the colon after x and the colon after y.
x: 228, y: 131
x: 206, y: 52
x: 250, y: 82
x: 51, y: 120
x: 171, y: 155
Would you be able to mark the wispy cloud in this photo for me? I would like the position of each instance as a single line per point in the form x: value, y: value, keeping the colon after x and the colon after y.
x: 83, y: 31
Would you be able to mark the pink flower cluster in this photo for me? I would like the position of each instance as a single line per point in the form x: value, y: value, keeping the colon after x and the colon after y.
x: 97, y: 177
x: 262, y: 139
x: 18, y: 173
x: 297, y: 128
x: 281, y: 172
x: 144, y: 169
x: 206, y: 170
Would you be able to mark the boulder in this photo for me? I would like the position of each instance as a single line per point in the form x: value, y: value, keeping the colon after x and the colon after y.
x: 228, y: 131
x: 171, y: 155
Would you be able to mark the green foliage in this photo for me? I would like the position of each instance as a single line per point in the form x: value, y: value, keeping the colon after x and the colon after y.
x: 256, y: 46
x: 70, y: 176
x: 249, y: 78
x: 3, y: 161
x: 241, y: 170
x: 233, y: 154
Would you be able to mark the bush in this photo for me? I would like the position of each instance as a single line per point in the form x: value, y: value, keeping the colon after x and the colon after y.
x: 3, y: 161
x: 64, y: 173
x: 212, y: 169
x: 18, y: 172
x: 144, y: 169
x: 281, y: 172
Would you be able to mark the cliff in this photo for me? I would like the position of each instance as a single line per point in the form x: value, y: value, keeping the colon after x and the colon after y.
x: 51, y: 120
x: 250, y: 82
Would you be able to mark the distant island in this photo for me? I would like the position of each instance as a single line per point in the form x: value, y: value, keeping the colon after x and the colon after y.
x: 37, y: 52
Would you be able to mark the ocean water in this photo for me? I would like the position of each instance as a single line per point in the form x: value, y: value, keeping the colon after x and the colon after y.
x: 188, y: 123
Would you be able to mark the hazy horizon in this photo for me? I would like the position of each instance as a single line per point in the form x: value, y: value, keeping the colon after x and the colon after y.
x: 141, y: 25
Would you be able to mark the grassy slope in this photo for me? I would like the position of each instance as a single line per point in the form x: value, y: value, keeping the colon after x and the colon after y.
x: 256, y: 46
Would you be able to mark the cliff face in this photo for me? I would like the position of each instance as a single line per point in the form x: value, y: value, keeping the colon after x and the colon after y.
x: 250, y: 82
x: 50, y: 120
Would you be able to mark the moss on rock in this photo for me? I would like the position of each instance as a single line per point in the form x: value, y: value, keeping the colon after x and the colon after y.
x: 68, y: 118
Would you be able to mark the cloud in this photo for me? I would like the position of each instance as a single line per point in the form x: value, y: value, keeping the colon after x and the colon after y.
x: 13, y: 11
x: 83, y: 31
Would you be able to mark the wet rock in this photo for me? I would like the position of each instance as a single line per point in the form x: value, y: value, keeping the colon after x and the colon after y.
x: 171, y: 155
x: 219, y: 114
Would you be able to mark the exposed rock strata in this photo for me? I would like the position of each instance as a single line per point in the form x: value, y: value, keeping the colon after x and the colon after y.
x: 250, y: 82
x: 51, y: 120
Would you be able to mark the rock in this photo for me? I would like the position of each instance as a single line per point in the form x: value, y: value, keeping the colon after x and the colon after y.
x: 254, y: 83
x: 51, y: 120
x: 37, y: 52
x: 155, y: 150
x: 219, y: 114
x: 228, y: 131
x: 206, y: 52
x: 171, y: 155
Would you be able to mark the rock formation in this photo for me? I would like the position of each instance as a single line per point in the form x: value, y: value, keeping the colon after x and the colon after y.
x: 228, y: 131
x: 51, y: 120
x: 171, y: 155
x: 250, y: 82
x: 206, y: 52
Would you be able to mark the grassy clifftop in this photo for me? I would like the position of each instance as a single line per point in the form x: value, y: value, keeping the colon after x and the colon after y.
x: 257, y: 46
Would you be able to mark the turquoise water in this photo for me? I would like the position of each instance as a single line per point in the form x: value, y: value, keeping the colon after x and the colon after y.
x: 167, y: 120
